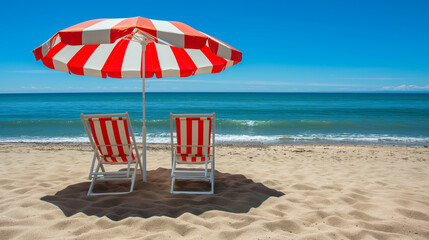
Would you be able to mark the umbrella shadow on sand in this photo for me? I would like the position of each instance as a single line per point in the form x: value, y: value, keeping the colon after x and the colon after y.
x: 233, y: 193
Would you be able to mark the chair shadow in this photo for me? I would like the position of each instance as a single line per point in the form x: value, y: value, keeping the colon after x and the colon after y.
x: 233, y: 193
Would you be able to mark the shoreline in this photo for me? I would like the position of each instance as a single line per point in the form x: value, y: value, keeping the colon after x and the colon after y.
x: 238, y: 144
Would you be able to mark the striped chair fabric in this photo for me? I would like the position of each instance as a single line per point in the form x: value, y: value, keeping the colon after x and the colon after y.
x: 112, y: 131
x: 193, y: 131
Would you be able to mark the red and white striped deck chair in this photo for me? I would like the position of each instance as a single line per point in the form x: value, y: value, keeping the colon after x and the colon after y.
x: 195, y: 144
x: 113, y: 141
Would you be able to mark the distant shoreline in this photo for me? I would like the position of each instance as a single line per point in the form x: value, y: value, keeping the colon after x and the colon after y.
x: 86, y: 145
x: 375, y: 92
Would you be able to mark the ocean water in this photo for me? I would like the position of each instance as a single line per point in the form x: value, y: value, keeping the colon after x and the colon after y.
x: 272, y: 118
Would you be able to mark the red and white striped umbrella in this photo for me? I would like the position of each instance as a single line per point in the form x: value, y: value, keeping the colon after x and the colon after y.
x: 115, y: 48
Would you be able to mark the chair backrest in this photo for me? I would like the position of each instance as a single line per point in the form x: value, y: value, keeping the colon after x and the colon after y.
x: 110, y: 135
x: 196, y: 130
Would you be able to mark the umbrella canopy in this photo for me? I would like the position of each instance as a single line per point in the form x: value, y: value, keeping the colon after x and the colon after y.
x: 113, y: 48
x: 136, y: 48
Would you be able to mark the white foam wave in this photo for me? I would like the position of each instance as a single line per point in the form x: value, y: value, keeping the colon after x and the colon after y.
x: 357, y: 138
x: 247, y: 123
x: 44, y: 139
x: 274, y: 139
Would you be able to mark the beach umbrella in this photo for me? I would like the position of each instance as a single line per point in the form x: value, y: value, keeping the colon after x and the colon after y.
x: 136, y: 48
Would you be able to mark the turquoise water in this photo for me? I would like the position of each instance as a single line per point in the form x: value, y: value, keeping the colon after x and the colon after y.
x: 373, y: 118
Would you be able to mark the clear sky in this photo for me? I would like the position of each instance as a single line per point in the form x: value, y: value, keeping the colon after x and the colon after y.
x: 288, y: 46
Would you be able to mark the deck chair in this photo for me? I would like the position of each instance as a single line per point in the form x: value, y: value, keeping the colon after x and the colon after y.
x: 195, y: 145
x: 113, y: 141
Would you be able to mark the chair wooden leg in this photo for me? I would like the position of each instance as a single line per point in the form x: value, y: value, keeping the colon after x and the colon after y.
x: 212, y: 178
x: 94, y: 177
x: 173, y: 179
x: 91, y: 186
x: 133, y: 179
x: 102, y: 167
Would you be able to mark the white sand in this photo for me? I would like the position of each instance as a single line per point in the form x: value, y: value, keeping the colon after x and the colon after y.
x: 273, y: 192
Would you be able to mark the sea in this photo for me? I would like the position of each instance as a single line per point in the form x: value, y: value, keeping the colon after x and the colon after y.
x: 270, y: 118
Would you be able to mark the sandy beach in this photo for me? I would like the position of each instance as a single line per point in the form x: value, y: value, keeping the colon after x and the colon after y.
x: 261, y: 192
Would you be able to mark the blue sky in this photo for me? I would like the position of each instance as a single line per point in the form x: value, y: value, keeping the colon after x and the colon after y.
x: 288, y: 46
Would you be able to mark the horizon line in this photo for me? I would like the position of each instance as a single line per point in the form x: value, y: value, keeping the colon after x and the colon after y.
x: 350, y: 92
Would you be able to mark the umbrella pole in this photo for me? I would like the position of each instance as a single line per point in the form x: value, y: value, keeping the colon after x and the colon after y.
x: 143, y: 43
